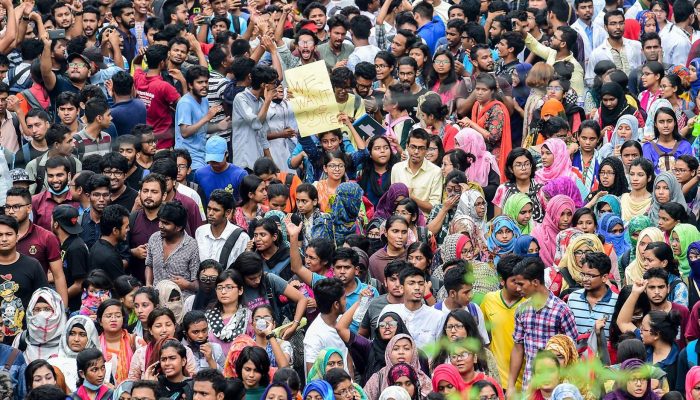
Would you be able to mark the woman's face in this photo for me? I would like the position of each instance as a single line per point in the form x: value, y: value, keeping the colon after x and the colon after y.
x: 667, y: 89
x: 676, y: 244
x: 335, y: 169
x: 547, y: 372
x: 665, y: 124
x: 455, y: 330
x: 604, y: 208
x: 401, y: 352
x: 515, y: 78
x: 565, y: 219
x: 383, y: 70
x: 525, y: 214
x: 128, y: 300
x: 313, y: 395
x: 163, y: 327
x: 263, y: 314
x: 607, y: 176
x: 143, y: 307
x: 480, y: 207
x: 43, y: 376
x: 483, y: 93
x: 533, y: 248
x: 77, y: 339
x: 643, y: 243
x: 586, y: 224
x: 487, y: 393
x: 659, y: 12
x: 662, y: 192
x: 402, y: 211
x: 467, y: 251
x: 250, y: 375
x: 645, y: 331
x: 418, y: 260
x: 95, y: 373
x: 504, y: 235
x: 263, y: 239
x: 651, y: 261
x: 228, y: 292
x: 447, y: 165
x: 649, y: 79
x: 42, y: 307
x: 304, y: 203
x: 387, y: 328
x: 610, y: 101
x: 406, y: 383
x: 696, y: 392
x: 522, y: 168
x: 417, y: 55
x: 380, y: 152
x: 588, y: 139
x: 624, y: 131
x: 628, y: 155
x: 171, y: 363
x: 555, y: 90
x: 112, y: 319
x: 637, y: 385
x: 397, y: 235
x: 276, y: 393
x: 547, y: 157
x: 639, y: 178
x: 666, y: 221
x: 463, y: 360
x: 442, y: 65
x: 446, y: 388
x: 260, y: 194
x: 198, y: 332
x: 433, y: 152
x: 334, y: 361
x: 313, y: 261
x: 580, y: 254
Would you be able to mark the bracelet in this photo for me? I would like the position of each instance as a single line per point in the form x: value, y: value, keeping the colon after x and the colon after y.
x: 297, y: 322
x: 427, y: 296
x: 78, y: 13
x: 270, y: 336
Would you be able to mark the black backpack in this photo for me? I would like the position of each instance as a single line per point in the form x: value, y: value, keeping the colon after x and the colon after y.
x: 228, y: 246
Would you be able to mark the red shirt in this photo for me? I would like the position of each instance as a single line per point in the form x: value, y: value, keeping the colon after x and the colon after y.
x: 43, y: 205
x: 40, y: 244
x: 160, y: 98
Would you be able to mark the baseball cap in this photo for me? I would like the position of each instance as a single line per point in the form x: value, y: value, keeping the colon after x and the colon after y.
x: 94, y: 54
x: 20, y: 175
x: 81, y: 56
x: 67, y: 218
x: 216, y: 149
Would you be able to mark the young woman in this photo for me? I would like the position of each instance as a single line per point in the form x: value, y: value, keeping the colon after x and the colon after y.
x: 520, y: 174
x: 253, y: 367
x: 80, y: 334
x: 483, y: 166
x: 519, y: 208
x: 627, y: 128
x: 420, y: 255
x: 116, y: 343
x: 560, y: 211
x: 145, y: 300
x: 307, y: 208
x: 671, y: 90
x: 612, y: 230
x: 666, y: 190
x: 634, y: 228
x: 455, y: 159
x: 434, y: 116
x: 384, y: 62
x: 125, y: 288
x: 647, y: 22
x: 639, y: 199
x: 670, y: 215
x: 408, y: 209
x: 661, y: 255
x: 91, y: 376
x: 501, y: 237
x: 613, y: 105
x: 375, y: 178
x: 195, y: 331
x: 170, y: 297
x: 630, y: 151
x: 527, y: 246
x: 681, y: 237
x: 465, y: 361
x: 556, y: 163
x: 545, y: 376
x: 397, y: 121
x: 269, y: 243
x: 611, y: 180
x: 228, y: 318
x: 46, y: 322
x: 585, y: 220
x: 436, y: 151
x: 587, y: 158
x: 421, y: 53
x: 205, y: 297
x: 334, y: 164
x: 443, y: 79
x: 668, y: 143
x: 253, y: 192
x: 396, y: 234
x: 652, y: 73
x: 278, y: 197
x: 317, y: 390
x: 279, y: 351
x: 660, y: 10
x: 447, y: 380
x: 167, y: 368
x: 38, y: 373
x: 326, y: 360
x: 637, y: 386
x: 403, y: 375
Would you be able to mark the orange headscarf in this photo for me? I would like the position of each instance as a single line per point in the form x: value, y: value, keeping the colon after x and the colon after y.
x: 552, y: 107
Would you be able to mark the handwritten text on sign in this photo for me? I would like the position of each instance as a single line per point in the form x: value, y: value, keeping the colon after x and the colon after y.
x: 313, y: 100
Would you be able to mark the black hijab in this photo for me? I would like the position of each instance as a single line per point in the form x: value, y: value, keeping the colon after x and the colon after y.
x: 376, y: 359
x: 610, y: 117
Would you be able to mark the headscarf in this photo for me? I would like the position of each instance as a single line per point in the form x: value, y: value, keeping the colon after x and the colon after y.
x: 473, y: 143
x: 237, y: 346
x: 694, y: 265
x: 165, y: 289
x: 44, y: 331
x: 394, y: 393
x: 402, y: 369
x: 376, y: 361
x: 448, y: 249
x: 651, y: 116
x: 277, y: 384
x: 676, y: 194
x: 620, y: 184
x: 612, y: 201
x: 124, y: 387
x: 343, y: 218
x: 561, y: 165
x: 565, y: 346
x: 621, y: 392
x: 565, y: 391
x: 635, y: 270
x: 464, y: 224
x: 563, y: 240
x: 522, y: 245
x: 514, y: 205
x: 563, y: 185
x: 387, y: 203
x: 375, y: 386
x: 636, y: 225
x: 569, y: 260
x: 632, y: 122
x: 552, y: 107
x: 610, y: 117
x: 318, y: 369
x: 644, y: 16
x: 496, y: 247
x: 321, y: 387
x: 546, y: 232
x: 606, y: 223
x: 687, y: 234
x: 88, y: 326
x: 683, y: 73
x: 695, y: 85
x: 522, y: 91
x: 279, y: 216
x: 691, y: 380
x: 448, y: 373
x: 466, y: 207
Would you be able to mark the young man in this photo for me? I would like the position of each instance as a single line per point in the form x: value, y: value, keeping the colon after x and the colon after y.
x: 267, y: 170
x: 423, y: 322
x: 336, y: 50
x: 98, y: 189
x: 321, y: 334
x: 58, y: 175
x: 365, y: 75
x: 174, y: 245
x: 146, y: 146
x: 220, y: 239
x: 68, y: 110
x: 79, y: 72
x: 114, y: 226
x: 540, y: 317
x: 593, y: 305
x: 144, y: 390
x: 127, y: 111
x: 682, y: 34
x: 127, y: 146
x: 74, y: 252
x: 219, y: 173
x: 21, y: 274
x: 394, y: 295
x: 509, y: 46
x: 115, y: 166
x: 209, y: 384
x: 423, y: 178
x: 430, y: 27
x: 593, y: 35
x: 124, y: 15
x: 182, y: 183
x: 221, y: 60
x: 38, y: 122
x: 60, y: 143
x: 499, y: 310
x: 193, y: 114
x: 364, y: 51
x: 144, y: 222
x: 615, y: 45
x: 453, y: 39
x: 408, y: 72
x: 93, y: 138
x: 167, y: 167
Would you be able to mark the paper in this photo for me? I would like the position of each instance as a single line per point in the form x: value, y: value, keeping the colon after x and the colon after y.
x: 313, y: 100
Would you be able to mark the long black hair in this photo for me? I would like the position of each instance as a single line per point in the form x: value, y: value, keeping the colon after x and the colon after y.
x: 450, y: 79
x: 620, y: 185
x: 668, y: 111
x: 368, y: 177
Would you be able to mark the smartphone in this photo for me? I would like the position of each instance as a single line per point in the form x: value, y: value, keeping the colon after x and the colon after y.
x: 156, y: 369
x: 57, y: 34
x: 196, y: 10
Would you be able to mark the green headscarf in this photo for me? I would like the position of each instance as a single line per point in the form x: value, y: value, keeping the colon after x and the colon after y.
x: 318, y: 369
x: 687, y: 234
x: 512, y: 208
x: 636, y: 225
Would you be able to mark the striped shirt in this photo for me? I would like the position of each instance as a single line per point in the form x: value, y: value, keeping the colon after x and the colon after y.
x: 217, y: 84
x: 86, y: 145
x: 586, y: 315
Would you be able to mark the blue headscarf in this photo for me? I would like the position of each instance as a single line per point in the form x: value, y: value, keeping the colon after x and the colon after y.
x: 277, y: 384
x: 497, y: 247
x: 695, y: 85
x: 342, y: 220
x: 522, y: 244
x: 322, y: 387
x: 614, y: 203
x: 605, y: 224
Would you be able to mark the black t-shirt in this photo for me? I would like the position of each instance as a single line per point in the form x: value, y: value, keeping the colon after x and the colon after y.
x: 134, y: 180
x: 18, y: 281
x: 104, y: 256
x: 127, y: 199
x: 74, y: 253
x: 413, y: 103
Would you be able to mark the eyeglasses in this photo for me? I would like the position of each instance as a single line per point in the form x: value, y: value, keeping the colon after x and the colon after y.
x: 432, y: 149
x: 15, y: 207
x: 380, y: 66
x: 555, y: 88
x: 182, y: 167
x: 207, y: 279
x: 461, y: 356
x: 347, y: 392
x: 264, y: 318
x: 77, y: 65
x: 441, y: 62
x: 579, y: 253
x: 607, y: 173
x: 585, y: 276
x: 492, y: 397
x: 389, y: 324
x: 227, y: 288
x: 680, y: 171
x: 413, y: 147
x: 526, y: 165
x: 116, y: 316
x: 454, y: 327
x: 335, y: 167
x: 113, y: 173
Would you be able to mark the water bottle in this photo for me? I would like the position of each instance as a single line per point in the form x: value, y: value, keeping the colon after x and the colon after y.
x: 361, y: 310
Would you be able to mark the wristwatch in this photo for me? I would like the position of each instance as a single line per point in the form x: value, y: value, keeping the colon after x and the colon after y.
x: 270, y: 336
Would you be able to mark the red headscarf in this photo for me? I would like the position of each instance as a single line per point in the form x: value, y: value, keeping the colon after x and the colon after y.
x: 448, y: 373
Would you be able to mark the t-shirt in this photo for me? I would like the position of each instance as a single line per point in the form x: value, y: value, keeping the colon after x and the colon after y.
x: 371, y: 318
x: 320, y: 336
x: 63, y: 84
x: 500, y: 320
x: 40, y: 244
x: 74, y: 253
x: 158, y: 96
x: 139, y: 233
x: 134, y: 180
x: 104, y: 256
x: 229, y: 180
x: 189, y: 111
x: 18, y: 281
x: 424, y: 324
x: 126, y: 199
x: 126, y: 114
x: 254, y: 297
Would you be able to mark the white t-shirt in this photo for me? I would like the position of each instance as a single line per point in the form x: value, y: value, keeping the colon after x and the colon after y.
x: 424, y: 324
x: 479, y: 317
x: 320, y: 336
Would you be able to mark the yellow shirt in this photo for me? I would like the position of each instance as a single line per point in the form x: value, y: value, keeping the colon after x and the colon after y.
x: 500, y: 321
x: 426, y: 183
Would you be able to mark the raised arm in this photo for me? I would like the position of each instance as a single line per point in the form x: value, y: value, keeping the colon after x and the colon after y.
x: 47, y: 74
x: 296, y: 264
x: 624, y: 319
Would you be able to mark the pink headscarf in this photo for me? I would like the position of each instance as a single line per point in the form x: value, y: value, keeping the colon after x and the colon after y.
x: 473, y: 143
x: 691, y: 379
x: 448, y: 373
x: 561, y: 166
x: 546, y: 233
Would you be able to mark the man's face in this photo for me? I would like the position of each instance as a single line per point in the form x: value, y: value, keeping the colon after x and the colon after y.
x: 182, y: 169
x: 414, y: 288
x: 417, y: 149
x: 59, y: 50
x: 149, y: 35
x: 89, y: 24
x: 538, y: 4
x: 181, y: 14
x: 456, y: 13
x: 177, y: 53
x: 129, y: 152
x: 200, y: 87
x: 151, y: 195
x: 484, y: 60
x: 57, y: 178
x: 63, y: 17
x: 37, y: 128
x: 66, y: 146
x: 398, y: 45
x: 78, y: 70
x: 652, y: 50
x: 463, y: 296
x: 307, y: 46
x: 495, y: 30
x: 99, y: 199
x: 319, y: 17
x: 220, y: 7
x: 17, y: 208
x: 555, y: 42
x: 141, y: 6
x: 168, y: 229
x: 8, y: 239
x: 218, y: 28
x: 453, y: 36
x: 148, y: 145
x: 615, y: 26
x: 502, y: 48
x: 363, y: 86
x: 128, y: 18
x: 345, y: 271
x: 393, y: 286
x: 3, y: 102
x: 204, y: 390
x: 216, y: 215
x: 526, y: 288
x: 116, y: 178
x: 657, y: 291
x: 520, y: 26
x: 407, y: 74
x: 337, y: 35
x: 124, y: 230
x: 584, y: 11
x: 105, y: 120
x: 68, y: 113
x: 342, y: 93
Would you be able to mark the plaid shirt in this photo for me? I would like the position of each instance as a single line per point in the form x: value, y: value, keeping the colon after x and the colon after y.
x: 445, y: 227
x: 533, y: 328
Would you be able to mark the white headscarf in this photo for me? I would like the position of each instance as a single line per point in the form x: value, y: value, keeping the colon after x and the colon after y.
x: 651, y: 116
x: 44, y: 330
x: 86, y: 323
x: 165, y: 289
x: 466, y: 207
x: 394, y: 393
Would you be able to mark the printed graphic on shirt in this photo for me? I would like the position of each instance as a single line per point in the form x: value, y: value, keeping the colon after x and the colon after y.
x: 11, y: 307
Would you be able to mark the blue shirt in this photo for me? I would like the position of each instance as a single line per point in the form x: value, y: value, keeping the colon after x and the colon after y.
x: 432, y: 32
x: 188, y: 112
x: 229, y: 180
x: 586, y: 315
x: 126, y: 114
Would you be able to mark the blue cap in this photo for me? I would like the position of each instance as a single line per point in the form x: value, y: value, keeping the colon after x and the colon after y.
x: 216, y: 149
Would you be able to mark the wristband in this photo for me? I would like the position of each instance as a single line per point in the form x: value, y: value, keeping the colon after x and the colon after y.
x: 78, y: 13
x: 427, y: 296
x: 270, y: 336
x: 26, y: 18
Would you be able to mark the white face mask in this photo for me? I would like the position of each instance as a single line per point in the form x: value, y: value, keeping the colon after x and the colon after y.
x: 45, y: 315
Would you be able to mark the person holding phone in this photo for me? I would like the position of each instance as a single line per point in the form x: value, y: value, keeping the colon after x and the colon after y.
x: 280, y: 351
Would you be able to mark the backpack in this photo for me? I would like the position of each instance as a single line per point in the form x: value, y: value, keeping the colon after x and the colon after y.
x: 666, y: 160
x: 13, y: 76
x: 32, y: 100
x: 228, y: 246
x: 41, y: 170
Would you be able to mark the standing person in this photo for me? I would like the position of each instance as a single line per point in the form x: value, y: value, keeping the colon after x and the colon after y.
x: 127, y: 146
x: 124, y: 15
x: 74, y: 251
x: 38, y: 122
x: 34, y: 241
x: 98, y: 191
x: 144, y: 222
x: 172, y: 253
x: 594, y: 304
x: 167, y: 167
x: 219, y: 173
x: 539, y: 318
x: 147, y: 149
x: 593, y: 35
x: 60, y: 143
x: 626, y: 54
x: 321, y: 334
x: 127, y: 111
x: 93, y: 138
x: 115, y: 166
x: 220, y: 60
x: 220, y: 239
x: 114, y: 226
x: 335, y: 51
x: 423, y: 178
x: 58, y: 176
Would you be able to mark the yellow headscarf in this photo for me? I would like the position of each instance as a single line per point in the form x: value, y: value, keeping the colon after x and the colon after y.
x: 635, y: 271
x: 569, y: 260
x: 565, y: 346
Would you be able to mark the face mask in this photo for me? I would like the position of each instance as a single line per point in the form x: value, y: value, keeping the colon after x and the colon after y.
x: 90, y: 386
x: 43, y: 315
x: 55, y: 193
